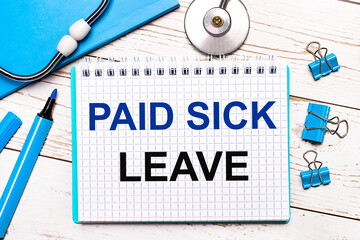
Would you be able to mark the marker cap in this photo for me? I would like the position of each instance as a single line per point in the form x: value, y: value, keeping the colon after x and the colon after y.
x: 8, y: 127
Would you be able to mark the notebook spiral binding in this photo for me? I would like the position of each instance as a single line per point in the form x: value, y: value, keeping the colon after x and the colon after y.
x: 160, y: 67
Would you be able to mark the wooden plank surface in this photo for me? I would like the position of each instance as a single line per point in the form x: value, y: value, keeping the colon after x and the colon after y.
x: 281, y: 28
x: 45, y: 213
x: 340, y: 155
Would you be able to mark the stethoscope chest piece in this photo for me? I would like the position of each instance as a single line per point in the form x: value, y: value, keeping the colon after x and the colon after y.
x: 217, y: 27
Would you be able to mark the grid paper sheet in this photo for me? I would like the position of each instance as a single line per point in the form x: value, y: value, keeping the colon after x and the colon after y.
x: 102, y: 197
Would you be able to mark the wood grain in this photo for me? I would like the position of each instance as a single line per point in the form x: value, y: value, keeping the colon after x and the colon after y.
x: 281, y: 28
x: 306, y: 21
x: 45, y: 213
x: 340, y: 155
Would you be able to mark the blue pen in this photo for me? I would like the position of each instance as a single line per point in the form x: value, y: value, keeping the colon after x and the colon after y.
x: 25, y: 163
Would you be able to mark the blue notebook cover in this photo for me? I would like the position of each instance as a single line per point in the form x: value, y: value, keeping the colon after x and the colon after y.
x: 34, y: 28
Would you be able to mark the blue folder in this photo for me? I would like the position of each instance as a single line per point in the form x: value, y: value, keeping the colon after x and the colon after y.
x: 32, y: 29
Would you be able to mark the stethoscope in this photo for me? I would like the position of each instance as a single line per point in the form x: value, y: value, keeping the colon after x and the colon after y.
x: 66, y: 46
x: 215, y: 27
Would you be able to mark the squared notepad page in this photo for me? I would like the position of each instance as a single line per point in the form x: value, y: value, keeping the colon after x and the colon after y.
x: 152, y: 144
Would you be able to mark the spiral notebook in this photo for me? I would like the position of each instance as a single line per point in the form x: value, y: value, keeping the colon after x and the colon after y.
x: 180, y: 141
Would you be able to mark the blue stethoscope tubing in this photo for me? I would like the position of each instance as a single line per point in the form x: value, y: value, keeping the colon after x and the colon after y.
x: 58, y: 56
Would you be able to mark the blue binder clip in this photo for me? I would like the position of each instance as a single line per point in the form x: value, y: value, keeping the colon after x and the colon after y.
x: 314, y: 176
x: 316, y: 124
x: 323, y: 64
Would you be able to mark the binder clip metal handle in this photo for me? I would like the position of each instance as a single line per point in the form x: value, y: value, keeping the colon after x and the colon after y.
x: 323, y: 56
x: 347, y: 129
x: 313, y: 162
x: 316, y: 124
x: 311, y: 178
x: 316, y: 67
x: 331, y: 120
x: 311, y: 52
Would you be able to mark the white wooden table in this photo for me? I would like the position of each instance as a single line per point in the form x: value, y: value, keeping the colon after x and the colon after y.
x: 278, y: 27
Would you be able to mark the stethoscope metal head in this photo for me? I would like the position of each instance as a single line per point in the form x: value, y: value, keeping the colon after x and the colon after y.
x: 217, y: 27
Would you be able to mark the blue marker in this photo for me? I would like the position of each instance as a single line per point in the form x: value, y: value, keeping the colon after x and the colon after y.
x: 25, y: 163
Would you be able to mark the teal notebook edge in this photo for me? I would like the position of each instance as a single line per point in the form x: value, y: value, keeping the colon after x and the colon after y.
x: 74, y: 152
x: 106, y: 29
x: 288, y: 100
x: 74, y: 147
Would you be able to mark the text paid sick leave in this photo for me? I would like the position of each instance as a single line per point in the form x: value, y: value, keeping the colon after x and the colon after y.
x: 209, y: 115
